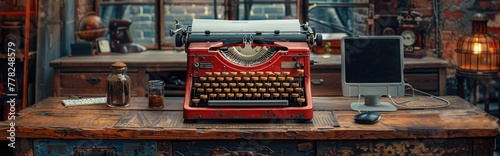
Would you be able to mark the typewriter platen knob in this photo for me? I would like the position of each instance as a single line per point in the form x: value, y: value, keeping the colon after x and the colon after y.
x: 178, y: 40
x: 319, y: 40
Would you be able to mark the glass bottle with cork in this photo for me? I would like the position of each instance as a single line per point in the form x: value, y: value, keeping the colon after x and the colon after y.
x: 118, y: 86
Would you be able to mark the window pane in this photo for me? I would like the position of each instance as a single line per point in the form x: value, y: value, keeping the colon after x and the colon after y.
x: 194, y: 1
x: 186, y: 13
x: 267, y: 11
x: 127, y: 0
x: 337, y: 19
x: 142, y: 30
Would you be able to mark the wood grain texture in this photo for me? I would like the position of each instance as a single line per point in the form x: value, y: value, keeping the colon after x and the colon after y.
x: 50, y: 119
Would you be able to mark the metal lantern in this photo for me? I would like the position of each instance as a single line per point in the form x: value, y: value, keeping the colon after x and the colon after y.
x: 478, y: 53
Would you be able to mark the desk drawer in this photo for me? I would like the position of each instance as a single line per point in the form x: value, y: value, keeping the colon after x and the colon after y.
x: 90, y: 84
x: 243, y: 147
x: 326, y: 84
x: 428, y: 82
x: 398, y: 147
x: 48, y: 147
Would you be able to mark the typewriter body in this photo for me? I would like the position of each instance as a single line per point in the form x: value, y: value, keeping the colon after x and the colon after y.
x: 247, y: 69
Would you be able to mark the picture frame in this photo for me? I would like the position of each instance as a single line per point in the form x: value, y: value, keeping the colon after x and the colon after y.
x: 103, y: 45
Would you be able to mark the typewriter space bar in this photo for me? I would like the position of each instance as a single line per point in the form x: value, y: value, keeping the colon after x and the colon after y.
x: 247, y: 103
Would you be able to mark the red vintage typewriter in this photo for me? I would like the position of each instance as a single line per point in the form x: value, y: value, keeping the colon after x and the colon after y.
x: 247, y: 69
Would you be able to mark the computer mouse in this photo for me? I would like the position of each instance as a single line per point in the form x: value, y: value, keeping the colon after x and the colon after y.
x: 367, y: 117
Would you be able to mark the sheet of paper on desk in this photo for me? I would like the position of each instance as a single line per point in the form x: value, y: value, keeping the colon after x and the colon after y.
x: 200, y: 25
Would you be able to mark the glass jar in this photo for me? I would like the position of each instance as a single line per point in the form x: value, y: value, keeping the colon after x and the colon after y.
x: 118, y: 86
x: 155, y: 93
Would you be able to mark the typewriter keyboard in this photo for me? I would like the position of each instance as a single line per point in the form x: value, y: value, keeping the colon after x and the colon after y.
x: 247, y: 89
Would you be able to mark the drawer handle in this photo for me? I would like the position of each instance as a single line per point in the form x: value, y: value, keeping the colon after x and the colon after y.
x: 317, y: 81
x: 93, y: 80
x: 222, y: 151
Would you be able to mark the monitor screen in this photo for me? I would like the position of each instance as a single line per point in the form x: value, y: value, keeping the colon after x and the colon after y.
x: 373, y: 60
x: 372, y: 66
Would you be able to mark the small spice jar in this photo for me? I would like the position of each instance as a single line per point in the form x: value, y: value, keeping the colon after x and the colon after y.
x: 155, y: 93
x: 118, y: 86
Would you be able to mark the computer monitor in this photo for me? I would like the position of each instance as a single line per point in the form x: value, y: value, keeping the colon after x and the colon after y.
x: 372, y: 66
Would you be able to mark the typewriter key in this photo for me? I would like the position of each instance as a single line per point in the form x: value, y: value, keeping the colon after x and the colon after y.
x: 266, y: 95
x: 222, y: 95
x: 301, y: 100
x: 248, y: 95
x: 195, y: 101
x: 239, y: 95
x: 257, y: 95
x: 203, y: 96
x: 197, y: 84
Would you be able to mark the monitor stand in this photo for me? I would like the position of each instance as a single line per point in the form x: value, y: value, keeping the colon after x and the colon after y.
x: 372, y: 103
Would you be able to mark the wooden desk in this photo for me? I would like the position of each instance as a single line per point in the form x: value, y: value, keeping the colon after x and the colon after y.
x: 86, y: 75
x: 460, y: 129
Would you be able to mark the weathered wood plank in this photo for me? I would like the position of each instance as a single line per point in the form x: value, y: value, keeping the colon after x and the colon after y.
x: 49, y: 119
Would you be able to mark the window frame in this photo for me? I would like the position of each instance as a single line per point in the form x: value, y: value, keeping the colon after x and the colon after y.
x: 231, y: 12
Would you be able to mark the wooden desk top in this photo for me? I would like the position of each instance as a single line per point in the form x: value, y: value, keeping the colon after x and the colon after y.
x: 178, y: 60
x: 50, y: 119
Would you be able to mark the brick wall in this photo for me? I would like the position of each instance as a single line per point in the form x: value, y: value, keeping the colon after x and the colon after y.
x: 454, y: 22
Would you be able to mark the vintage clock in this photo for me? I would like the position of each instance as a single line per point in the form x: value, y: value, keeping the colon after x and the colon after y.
x: 412, y: 32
